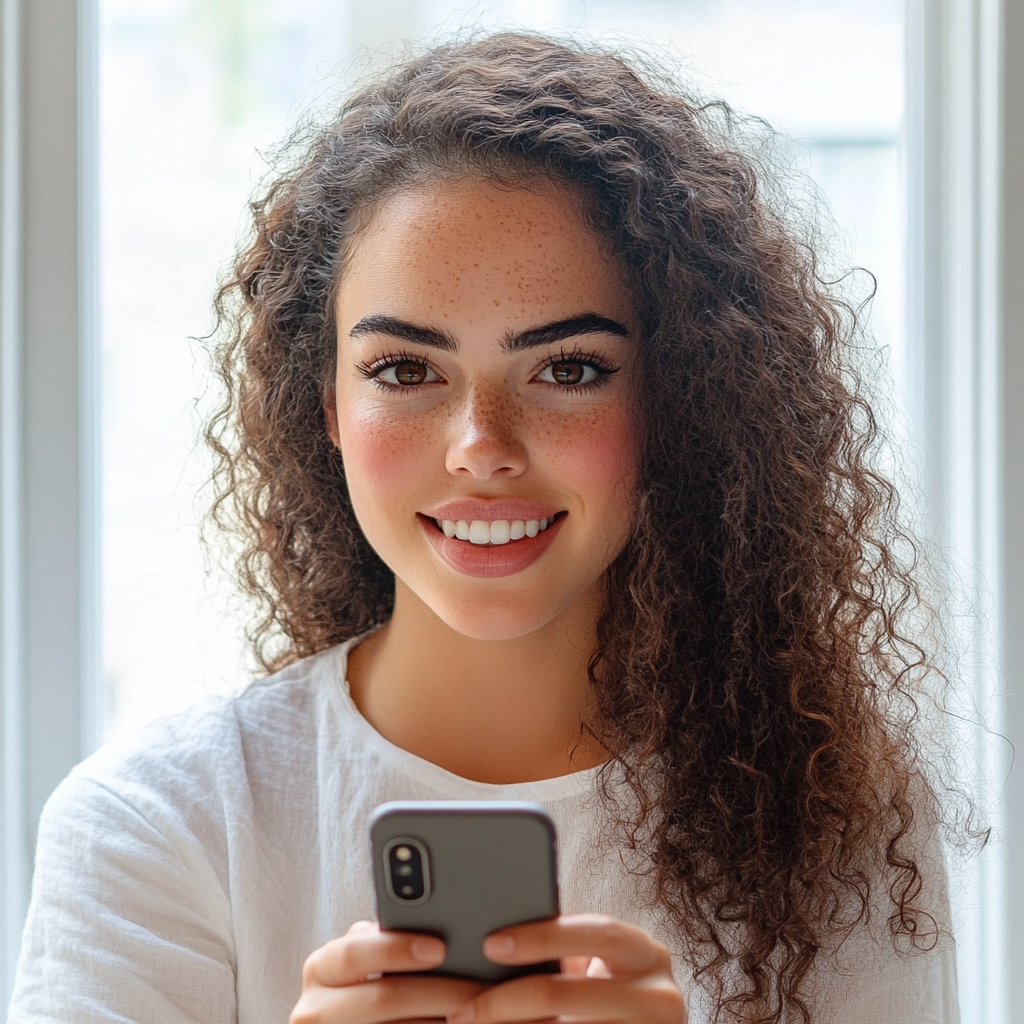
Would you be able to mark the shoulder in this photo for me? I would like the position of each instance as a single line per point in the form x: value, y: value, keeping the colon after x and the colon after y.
x: 150, y: 852
x: 899, y: 961
x: 192, y: 766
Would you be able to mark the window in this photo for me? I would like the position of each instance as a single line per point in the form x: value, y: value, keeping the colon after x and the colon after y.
x: 227, y: 80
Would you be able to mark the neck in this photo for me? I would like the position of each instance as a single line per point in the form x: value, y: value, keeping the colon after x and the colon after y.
x: 498, y: 711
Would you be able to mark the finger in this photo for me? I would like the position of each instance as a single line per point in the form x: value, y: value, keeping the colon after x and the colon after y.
x: 408, y: 997
x: 624, y: 949
x: 362, y: 927
x: 364, y: 952
x: 542, y: 996
x: 576, y: 965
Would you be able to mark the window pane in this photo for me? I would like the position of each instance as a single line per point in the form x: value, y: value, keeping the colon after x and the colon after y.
x: 193, y: 90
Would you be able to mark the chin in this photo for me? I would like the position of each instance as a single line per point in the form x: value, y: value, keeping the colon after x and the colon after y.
x: 498, y: 621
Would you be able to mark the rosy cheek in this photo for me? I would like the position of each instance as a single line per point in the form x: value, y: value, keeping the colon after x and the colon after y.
x: 595, y: 454
x: 382, y: 452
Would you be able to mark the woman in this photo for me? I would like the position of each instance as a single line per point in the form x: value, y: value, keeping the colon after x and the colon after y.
x: 554, y: 484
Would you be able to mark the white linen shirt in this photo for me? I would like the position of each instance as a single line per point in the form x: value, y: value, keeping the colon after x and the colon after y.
x: 183, y: 876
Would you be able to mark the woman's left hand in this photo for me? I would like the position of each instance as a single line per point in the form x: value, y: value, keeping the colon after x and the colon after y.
x: 611, y: 971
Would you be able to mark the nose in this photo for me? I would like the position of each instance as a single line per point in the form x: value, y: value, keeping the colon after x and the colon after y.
x: 486, y: 438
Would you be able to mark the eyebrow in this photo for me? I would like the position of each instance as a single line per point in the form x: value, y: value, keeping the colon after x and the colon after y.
x: 406, y: 331
x: 586, y: 323
x: 560, y: 330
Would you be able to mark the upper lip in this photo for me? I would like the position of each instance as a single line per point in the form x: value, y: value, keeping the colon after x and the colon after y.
x: 491, y: 510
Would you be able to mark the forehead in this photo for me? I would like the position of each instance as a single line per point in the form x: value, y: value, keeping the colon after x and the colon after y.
x: 525, y: 251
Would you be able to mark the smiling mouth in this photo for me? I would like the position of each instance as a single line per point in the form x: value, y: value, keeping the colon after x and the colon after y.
x: 494, y: 532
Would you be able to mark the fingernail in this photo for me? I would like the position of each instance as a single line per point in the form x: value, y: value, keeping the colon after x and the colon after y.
x: 499, y: 945
x: 428, y: 949
x: 463, y: 1015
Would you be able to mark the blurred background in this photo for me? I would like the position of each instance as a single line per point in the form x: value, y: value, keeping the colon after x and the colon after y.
x: 193, y: 96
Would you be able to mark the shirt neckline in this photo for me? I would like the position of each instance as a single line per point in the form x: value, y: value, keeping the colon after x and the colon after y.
x: 562, y: 787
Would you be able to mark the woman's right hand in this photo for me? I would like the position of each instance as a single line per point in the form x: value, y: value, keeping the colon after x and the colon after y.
x: 369, y: 976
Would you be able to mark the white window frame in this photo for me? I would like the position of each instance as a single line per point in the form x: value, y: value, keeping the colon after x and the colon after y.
x: 966, y: 303
x: 965, y: 281
x: 1009, y: 371
x: 48, y: 440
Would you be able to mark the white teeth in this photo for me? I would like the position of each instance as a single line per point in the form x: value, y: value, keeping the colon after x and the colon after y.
x: 501, y: 531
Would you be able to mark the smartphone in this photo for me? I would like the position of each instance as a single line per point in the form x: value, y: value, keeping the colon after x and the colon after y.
x: 461, y: 870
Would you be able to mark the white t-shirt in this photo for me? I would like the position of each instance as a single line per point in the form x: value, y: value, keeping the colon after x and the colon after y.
x: 186, y: 874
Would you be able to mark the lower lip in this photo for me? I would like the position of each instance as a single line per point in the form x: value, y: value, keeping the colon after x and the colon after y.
x: 490, y: 560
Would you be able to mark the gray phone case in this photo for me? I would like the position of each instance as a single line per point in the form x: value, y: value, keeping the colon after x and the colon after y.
x: 490, y: 864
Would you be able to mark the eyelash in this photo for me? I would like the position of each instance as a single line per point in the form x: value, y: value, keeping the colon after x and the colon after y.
x: 577, y: 355
x: 373, y: 368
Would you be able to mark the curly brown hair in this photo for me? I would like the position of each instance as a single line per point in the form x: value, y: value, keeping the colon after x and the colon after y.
x: 753, y: 675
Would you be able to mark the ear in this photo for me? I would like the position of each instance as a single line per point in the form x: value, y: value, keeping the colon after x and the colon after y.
x: 331, y: 417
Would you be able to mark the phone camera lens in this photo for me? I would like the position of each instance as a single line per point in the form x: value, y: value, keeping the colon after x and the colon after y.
x: 405, y: 862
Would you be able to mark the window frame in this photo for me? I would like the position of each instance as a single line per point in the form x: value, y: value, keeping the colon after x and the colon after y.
x: 49, y: 477
x: 966, y: 365
x: 966, y: 300
x: 1009, y: 391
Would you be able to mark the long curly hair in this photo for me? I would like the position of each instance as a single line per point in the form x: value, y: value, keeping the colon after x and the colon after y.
x: 754, y: 675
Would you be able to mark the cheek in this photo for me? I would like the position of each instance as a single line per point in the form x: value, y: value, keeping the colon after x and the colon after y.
x: 383, y: 454
x: 597, y: 454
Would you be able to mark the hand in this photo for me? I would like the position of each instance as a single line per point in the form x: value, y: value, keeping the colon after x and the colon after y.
x: 342, y: 982
x: 611, y: 972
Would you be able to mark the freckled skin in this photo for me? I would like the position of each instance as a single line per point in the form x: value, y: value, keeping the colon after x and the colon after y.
x: 481, y: 262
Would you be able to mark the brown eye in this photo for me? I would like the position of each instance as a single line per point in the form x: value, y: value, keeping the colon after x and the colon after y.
x: 410, y: 374
x: 403, y: 373
x: 567, y: 373
x: 571, y: 373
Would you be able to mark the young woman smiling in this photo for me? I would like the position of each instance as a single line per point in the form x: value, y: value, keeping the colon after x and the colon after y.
x: 484, y: 379
x: 554, y: 484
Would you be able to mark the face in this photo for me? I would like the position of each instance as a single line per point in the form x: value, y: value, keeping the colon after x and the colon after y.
x: 483, y: 403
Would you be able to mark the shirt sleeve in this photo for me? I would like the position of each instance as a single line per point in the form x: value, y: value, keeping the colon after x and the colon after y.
x: 919, y: 987
x: 128, y: 919
x: 872, y: 979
